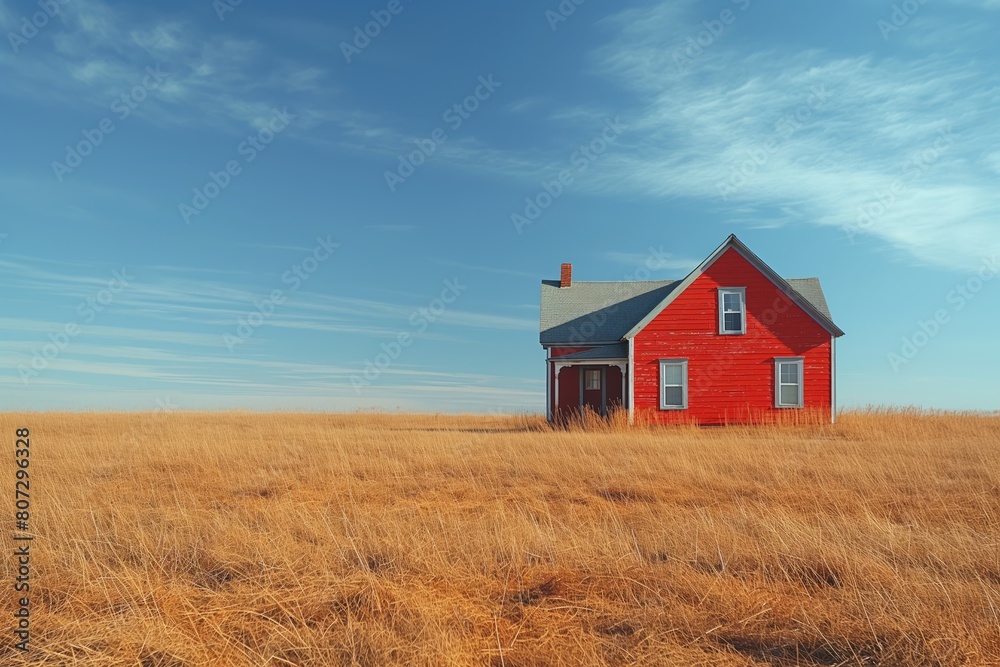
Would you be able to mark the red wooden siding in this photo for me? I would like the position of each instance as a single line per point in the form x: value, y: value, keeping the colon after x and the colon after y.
x: 731, y: 377
x: 569, y: 391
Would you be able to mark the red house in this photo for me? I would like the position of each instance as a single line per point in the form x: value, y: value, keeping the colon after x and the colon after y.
x: 732, y: 342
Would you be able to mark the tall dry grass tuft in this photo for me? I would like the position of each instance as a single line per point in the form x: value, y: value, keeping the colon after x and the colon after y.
x: 368, y: 539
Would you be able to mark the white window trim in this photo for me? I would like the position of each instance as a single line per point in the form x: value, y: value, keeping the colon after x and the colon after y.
x: 683, y: 363
x: 800, y: 362
x: 600, y: 383
x: 742, y: 291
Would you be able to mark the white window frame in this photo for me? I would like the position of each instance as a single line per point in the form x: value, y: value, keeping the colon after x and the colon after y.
x: 742, y: 292
x: 600, y: 379
x: 683, y: 363
x: 778, y: 384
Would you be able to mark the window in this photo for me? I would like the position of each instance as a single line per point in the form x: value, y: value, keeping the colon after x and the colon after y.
x: 788, y: 383
x: 673, y: 384
x: 592, y: 379
x: 732, y: 310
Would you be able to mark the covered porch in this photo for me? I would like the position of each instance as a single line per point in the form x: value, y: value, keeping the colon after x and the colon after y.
x: 596, y: 378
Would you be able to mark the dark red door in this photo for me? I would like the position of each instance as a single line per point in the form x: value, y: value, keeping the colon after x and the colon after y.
x: 568, y: 383
x: 614, y: 387
x: 593, y: 388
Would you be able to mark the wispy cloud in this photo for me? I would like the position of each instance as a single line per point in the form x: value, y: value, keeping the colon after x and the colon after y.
x: 523, y: 104
x: 489, y: 269
x: 90, y: 376
x: 96, y: 53
x: 980, y: 4
x: 691, y: 130
x: 165, y: 332
x: 278, y: 246
x: 657, y: 263
x: 391, y: 228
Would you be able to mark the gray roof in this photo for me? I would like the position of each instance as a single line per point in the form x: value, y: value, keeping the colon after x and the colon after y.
x: 811, y: 291
x: 591, y: 313
x: 616, y: 351
x: 597, y: 312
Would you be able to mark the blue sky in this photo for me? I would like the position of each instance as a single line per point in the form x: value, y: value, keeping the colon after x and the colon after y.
x: 205, y: 204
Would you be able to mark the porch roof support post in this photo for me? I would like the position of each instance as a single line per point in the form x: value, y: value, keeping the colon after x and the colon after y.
x: 631, y: 380
x: 548, y: 388
x: 624, y: 368
x: 555, y: 372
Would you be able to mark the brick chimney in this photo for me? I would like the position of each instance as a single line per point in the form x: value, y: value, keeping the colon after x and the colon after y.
x: 566, y: 276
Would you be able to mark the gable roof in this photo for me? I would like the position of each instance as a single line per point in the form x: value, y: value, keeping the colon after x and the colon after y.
x: 815, y: 310
x: 601, y: 313
x: 591, y: 313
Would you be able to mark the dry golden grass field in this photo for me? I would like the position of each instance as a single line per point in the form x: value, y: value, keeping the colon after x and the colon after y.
x: 288, y: 539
